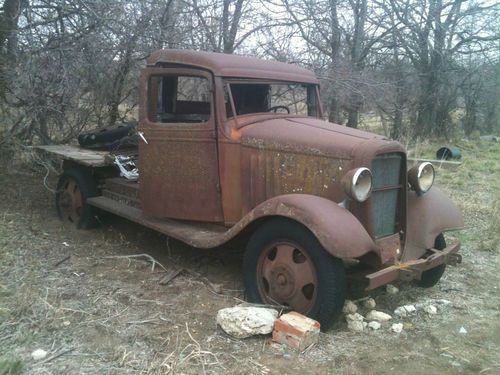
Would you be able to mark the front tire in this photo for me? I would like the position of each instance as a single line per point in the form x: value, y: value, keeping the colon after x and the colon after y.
x: 74, y: 187
x: 431, y: 277
x: 285, y: 264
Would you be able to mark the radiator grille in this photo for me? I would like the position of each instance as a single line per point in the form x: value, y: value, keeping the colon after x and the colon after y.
x: 387, y: 186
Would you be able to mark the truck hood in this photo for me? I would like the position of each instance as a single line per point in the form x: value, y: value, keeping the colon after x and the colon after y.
x: 313, y: 136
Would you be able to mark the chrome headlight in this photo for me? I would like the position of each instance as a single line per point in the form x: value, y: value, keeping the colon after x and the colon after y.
x: 358, y: 184
x: 421, y: 177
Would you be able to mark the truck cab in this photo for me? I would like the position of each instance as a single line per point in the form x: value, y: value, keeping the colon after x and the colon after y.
x: 237, y: 147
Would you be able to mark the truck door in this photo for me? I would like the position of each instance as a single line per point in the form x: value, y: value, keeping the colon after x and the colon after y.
x: 178, y: 166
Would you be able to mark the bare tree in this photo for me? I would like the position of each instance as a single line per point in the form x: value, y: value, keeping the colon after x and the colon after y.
x: 344, y: 31
x: 433, y: 33
x: 223, y: 26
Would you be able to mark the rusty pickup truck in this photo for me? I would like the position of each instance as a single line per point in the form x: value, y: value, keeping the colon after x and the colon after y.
x: 235, y: 147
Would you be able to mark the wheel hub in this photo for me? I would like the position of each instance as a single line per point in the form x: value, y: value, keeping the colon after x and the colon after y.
x: 282, y: 282
x: 286, y: 276
x: 281, y: 279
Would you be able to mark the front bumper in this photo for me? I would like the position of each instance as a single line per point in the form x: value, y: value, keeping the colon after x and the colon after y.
x: 412, y: 270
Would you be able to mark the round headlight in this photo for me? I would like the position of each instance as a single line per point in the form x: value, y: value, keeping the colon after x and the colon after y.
x: 421, y: 177
x: 358, y: 184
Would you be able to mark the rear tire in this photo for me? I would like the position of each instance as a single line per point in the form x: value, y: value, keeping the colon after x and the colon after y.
x: 74, y: 187
x: 285, y: 264
x: 431, y: 277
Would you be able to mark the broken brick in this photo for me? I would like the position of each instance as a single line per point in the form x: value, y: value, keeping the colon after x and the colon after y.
x: 296, y: 331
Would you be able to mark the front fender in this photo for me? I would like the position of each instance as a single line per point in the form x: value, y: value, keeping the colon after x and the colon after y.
x: 428, y: 216
x: 338, y: 231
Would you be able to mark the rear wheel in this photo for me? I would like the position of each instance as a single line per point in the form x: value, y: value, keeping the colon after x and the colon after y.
x: 431, y: 277
x: 75, y: 186
x: 285, y: 264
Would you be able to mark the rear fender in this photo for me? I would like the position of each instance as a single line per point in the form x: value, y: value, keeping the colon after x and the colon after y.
x: 428, y: 216
x: 338, y: 231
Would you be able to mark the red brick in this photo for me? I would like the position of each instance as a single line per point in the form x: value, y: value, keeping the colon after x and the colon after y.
x: 296, y: 331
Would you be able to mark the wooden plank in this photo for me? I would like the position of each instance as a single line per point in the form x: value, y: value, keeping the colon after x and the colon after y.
x: 446, y: 164
x: 91, y: 158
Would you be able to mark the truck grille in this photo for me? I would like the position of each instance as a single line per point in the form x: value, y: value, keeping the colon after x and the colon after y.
x: 387, y: 186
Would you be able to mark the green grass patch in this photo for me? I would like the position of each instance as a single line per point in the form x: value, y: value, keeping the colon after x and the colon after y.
x: 10, y: 366
x: 474, y: 186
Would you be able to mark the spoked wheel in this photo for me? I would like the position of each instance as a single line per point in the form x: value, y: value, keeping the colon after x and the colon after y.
x: 73, y: 189
x: 285, y: 264
x: 286, y: 275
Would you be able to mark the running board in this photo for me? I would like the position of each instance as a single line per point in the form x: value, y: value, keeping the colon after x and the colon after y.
x: 196, y: 234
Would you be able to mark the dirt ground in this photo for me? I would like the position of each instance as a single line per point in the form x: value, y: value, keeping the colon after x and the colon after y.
x: 73, y: 294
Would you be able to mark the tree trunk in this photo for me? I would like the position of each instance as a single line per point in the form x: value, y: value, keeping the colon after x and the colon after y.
x: 353, y: 108
x: 470, y: 118
x: 427, y: 105
x: 352, y: 117
x: 8, y: 41
x: 359, y: 8
x: 334, y: 109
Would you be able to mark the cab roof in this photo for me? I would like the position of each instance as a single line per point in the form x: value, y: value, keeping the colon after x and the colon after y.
x: 233, y: 66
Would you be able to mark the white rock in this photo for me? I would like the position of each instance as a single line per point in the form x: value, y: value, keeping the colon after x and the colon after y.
x: 400, y: 311
x: 378, y: 316
x: 438, y: 302
x: 410, y: 308
x: 355, y: 325
x: 462, y: 330
x: 39, y: 354
x: 431, y: 309
x: 355, y: 322
x: 391, y: 289
x: 374, y: 325
x: 354, y: 317
x: 405, y: 310
x: 397, y: 327
x: 349, y: 307
x: 370, y: 303
x: 245, y: 321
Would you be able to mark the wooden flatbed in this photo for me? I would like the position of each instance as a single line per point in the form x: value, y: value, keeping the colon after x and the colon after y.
x: 89, y: 158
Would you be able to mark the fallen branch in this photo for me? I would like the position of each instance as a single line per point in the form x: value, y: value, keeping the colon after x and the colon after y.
x: 58, y: 355
x: 154, y: 321
x: 62, y: 261
x: 153, y: 261
x: 172, y: 274
x: 269, y: 306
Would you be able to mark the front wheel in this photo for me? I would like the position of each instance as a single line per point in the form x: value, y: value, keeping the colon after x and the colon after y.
x: 431, y: 277
x: 285, y: 264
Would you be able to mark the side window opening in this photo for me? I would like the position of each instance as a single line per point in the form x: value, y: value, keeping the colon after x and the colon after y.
x: 179, y: 99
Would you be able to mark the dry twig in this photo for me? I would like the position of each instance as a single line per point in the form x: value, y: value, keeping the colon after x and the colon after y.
x: 58, y: 355
x: 153, y: 261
